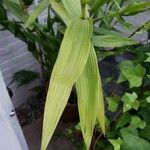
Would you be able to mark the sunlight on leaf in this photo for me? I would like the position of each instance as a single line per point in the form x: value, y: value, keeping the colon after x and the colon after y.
x: 69, y: 65
x: 112, y: 103
x: 133, y: 73
x: 132, y: 141
x: 36, y: 12
x: 116, y: 143
x: 137, y: 122
x: 90, y: 97
x: 148, y: 59
x: 130, y: 101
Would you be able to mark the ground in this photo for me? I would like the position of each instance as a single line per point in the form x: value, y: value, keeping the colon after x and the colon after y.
x: 32, y: 134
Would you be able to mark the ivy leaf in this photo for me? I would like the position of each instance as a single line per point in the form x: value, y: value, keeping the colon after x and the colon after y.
x: 123, y: 120
x: 145, y: 113
x: 148, y: 99
x: 148, y: 59
x: 130, y: 101
x: 133, y: 73
x: 121, y: 78
x: 145, y: 133
x: 116, y: 143
x: 148, y: 75
x: 132, y: 141
x: 112, y: 103
x: 108, y: 80
x: 137, y: 122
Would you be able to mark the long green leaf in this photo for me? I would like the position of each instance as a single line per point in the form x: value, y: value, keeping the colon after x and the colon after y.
x: 135, y: 8
x: 73, y: 7
x: 17, y: 9
x: 3, y: 15
x: 37, y: 11
x: 57, y: 7
x: 96, y: 4
x: 61, y: 11
x: 112, y: 41
x: 72, y: 58
x: 90, y: 98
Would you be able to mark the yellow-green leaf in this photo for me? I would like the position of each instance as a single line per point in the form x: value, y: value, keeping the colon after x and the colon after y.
x: 73, y: 7
x: 57, y: 7
x: 90, y: 98
x: 72, y: 58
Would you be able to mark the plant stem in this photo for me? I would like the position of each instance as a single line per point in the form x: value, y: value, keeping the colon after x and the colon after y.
x: 83, y: 11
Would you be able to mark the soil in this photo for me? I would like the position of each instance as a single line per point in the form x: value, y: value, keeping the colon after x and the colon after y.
x: 32, y: 133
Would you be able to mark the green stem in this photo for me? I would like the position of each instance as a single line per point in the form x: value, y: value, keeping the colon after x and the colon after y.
x: 83, y: 11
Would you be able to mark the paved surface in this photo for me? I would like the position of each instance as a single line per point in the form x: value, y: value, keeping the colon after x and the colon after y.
x: 32, y: 134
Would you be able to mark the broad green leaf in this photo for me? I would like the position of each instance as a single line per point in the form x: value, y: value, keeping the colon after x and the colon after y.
x: 133, y: 73
x: 112, y: 41
x: 37, y: 11
x: 112, y: 103
x: 17, y: 9
x: 148, y: 59
x: 123, y: 120
x: 73, y: 7
x: 104, y: 31
x: 135, y: 8
x: 71, y: 61
x: 145, y: 133
x: 130, y: 101
x: 132, y: 141
x: 137, y: 122
x: 145, y: 113
x: 90, y: 98
x: 116, y: 143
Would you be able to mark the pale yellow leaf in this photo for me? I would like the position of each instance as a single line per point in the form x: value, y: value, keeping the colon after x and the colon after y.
x: 72, y: 58
x: 90, y: 98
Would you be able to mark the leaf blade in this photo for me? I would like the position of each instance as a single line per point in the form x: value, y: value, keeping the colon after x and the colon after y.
x: 37, y: 11
x: 56, y: 6
x: 73, y: 7
x: 112, y: 41
x: 89, y: 97
x: 69, y: 65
